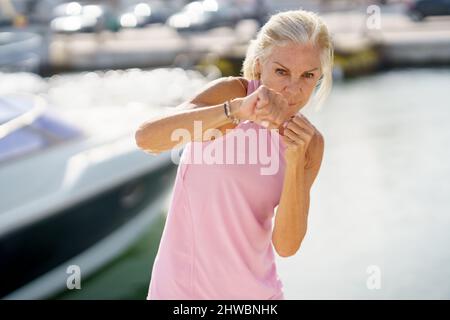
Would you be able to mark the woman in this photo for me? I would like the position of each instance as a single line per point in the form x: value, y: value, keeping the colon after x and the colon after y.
x: 218, y: 241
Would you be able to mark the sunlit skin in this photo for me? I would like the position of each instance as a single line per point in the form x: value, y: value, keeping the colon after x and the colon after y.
x: 293, y: 71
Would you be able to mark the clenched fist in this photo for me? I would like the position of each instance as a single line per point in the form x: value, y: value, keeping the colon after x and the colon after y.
x: 298, y: 134
x: 265, y: 107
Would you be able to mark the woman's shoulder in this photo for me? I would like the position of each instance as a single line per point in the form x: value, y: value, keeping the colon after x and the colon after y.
x: 237, y: 85
x: 226, y: 88
x: 219, y: 90
x: 240, y: 82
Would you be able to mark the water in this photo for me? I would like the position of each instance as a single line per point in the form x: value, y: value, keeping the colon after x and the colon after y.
x: 381, y: 197
x: 380, y: 201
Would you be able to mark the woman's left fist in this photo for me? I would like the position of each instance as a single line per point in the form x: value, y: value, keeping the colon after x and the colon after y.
x: 297, y: 134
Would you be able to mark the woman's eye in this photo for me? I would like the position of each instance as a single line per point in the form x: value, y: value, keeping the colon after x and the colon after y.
x: 280, y: 70
x: 309, y: 75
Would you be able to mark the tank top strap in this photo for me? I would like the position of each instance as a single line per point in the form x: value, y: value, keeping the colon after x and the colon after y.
x: 252, y: 86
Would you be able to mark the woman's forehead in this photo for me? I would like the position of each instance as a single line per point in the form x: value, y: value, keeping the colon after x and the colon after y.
x: 296, y: 57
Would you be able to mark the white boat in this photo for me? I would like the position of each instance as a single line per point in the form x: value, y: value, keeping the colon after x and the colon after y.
x: 68, y: 197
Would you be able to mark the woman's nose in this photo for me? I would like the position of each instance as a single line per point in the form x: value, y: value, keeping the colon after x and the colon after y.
x: 293, y: 87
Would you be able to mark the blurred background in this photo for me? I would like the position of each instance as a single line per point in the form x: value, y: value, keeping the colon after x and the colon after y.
x: 78, y: 199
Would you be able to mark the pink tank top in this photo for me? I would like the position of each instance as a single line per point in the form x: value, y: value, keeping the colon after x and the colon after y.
x: 216, y: 242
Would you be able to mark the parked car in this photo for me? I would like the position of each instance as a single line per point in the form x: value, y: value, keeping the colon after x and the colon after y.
x: 418, y: 10
x: 145, y: 13
x: 258, y: 10
x: 204, y: 15
x: 76, y: 17
x: 43, y: 11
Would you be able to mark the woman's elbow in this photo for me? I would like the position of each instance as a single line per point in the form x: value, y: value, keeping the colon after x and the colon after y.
x: 287, y: 252
x: 142, y: 142
x: 139, y: 139
x: 289, y: 248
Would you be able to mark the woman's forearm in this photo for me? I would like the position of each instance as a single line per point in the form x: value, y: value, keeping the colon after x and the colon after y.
x: 155, y: 135
x: 291, y: 216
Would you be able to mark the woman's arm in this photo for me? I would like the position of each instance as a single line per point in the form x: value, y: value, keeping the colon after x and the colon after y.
x: 155, y: 135
x: 292, y: 213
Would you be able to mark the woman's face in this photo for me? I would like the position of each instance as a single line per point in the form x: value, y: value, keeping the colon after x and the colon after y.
x: 293, y: 71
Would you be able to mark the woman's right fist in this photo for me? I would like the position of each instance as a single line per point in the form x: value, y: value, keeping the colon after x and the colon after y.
x: 265, y: 107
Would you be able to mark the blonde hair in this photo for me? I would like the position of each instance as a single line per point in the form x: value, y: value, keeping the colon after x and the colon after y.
x: 298, y: 26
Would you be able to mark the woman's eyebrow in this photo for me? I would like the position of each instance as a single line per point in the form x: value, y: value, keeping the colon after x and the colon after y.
x: 288, y: 68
